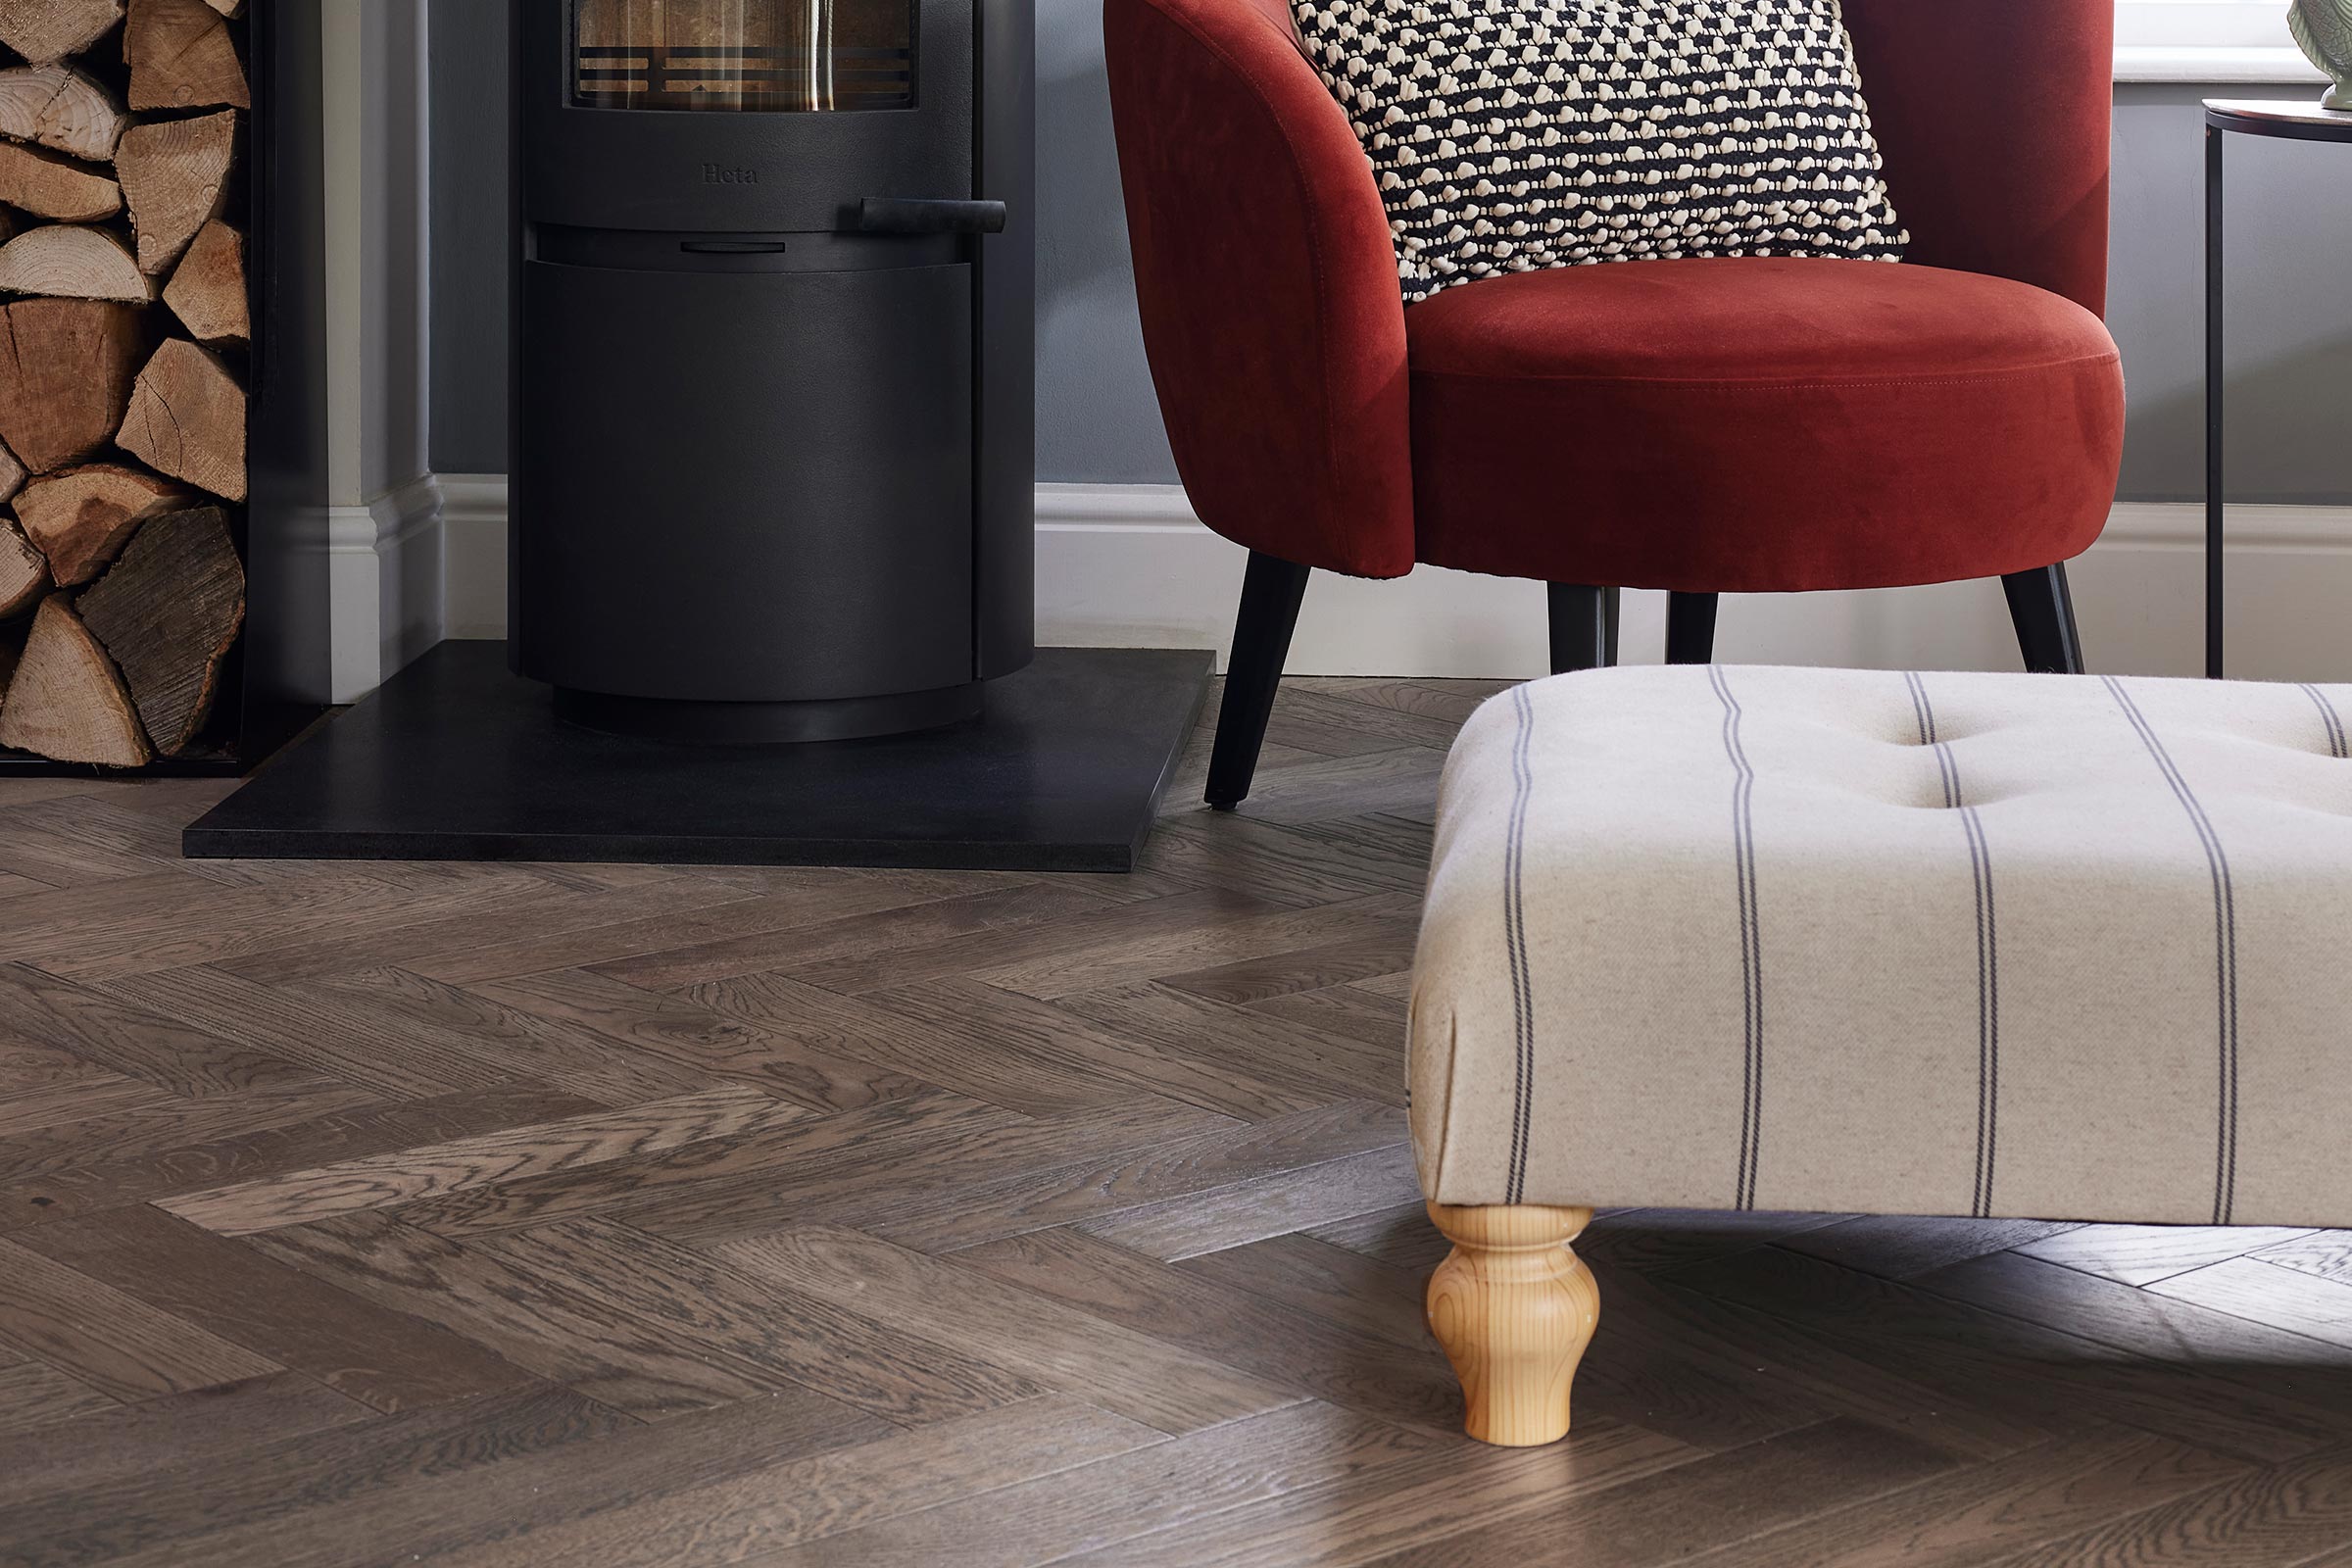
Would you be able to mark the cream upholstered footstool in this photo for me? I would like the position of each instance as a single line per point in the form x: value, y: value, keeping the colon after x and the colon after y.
x: 1844, y: 942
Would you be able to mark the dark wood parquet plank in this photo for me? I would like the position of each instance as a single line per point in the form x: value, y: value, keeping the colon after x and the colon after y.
x: 1185, y: 1227
x: 1990, y: 1360
x: 422, y: 1516
x: 1232, y: 1039
x: 878, y: 941
x: 384, y: 1181
x: 836, y: 1069
x: 138, y: 1043
x: 386, y: 1360
x: 1900, y: 1248
x: 1012, y: 1034
x: 774, y: 1160
x: 1357, y: 1372
x: 522, y: 1043
x: 783, y: 900
x: 2265, y: 1518
x: 114, y: 1442
x: 1131, y: 1373
x: 1171, y: 1487
x: 700, y: 1302
x: 1981, y: 1514
x: 2289, y: 1298
x: 1057, y: 1192
x: 753, y: 1516
x: 247, y: 1142
x: 549, y: 909
x: 112, y: 1342
x: 563, y: 1334
x: 111, y: 929
x: 272, y: 1481
x: 2141, y: 1254
x: 1428, y: 1499
x: 29, y: 1160
x: 304, y: 1024
x: 871, y: 1187
x: 1663, y: 1518
x: 36, y: 1396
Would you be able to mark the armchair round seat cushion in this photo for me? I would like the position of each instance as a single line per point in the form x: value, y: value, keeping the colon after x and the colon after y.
x: 1757, y: 426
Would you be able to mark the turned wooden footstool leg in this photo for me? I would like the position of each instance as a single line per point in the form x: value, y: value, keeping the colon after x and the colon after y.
x: 1514, y: 1308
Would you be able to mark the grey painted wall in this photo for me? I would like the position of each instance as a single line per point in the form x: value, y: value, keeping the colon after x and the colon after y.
x: 2291, y: 394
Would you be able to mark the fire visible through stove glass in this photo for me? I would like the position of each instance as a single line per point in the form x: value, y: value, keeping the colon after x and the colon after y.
x: 762, y: 56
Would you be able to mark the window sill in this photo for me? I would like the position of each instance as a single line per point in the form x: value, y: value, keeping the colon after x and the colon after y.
x: 2155, y: 63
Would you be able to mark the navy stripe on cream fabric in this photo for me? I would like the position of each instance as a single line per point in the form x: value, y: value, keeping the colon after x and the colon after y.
x: 2224, y: 961
x: 1751, y: 945
x: 1987, y: 932
x: 1514, y: 917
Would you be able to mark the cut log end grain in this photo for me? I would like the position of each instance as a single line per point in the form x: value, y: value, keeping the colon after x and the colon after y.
x: 80, y: 518
x: 66, y: 375
x: 49, y: 186
x: 24, y: 572
x: 182, y: 57
x: 187, y: 419
x: 207, y: 291
x: 59, y: 107
x: 45, y: 32
x: 174, y: 175
x: 67, y: 701
x: 12, y: 474
x: 73, y: 262
x: 167, y: 613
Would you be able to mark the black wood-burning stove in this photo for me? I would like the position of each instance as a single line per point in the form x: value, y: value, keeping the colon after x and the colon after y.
x: 772, y: 466
x: 771, y: 481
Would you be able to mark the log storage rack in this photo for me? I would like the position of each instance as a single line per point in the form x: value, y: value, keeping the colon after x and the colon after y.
x: 126, y: 349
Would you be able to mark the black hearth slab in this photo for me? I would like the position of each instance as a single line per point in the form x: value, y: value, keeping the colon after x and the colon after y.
x: 457, y: 758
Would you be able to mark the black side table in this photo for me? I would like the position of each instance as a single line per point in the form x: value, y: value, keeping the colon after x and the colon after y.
x: 2297, y: 120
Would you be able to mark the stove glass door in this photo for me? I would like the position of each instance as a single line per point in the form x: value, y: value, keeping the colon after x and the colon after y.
x: 765, y: 56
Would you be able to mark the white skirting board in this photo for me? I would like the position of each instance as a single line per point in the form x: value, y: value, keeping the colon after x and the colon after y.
x: 1130, y: 566
x: 385, y: 584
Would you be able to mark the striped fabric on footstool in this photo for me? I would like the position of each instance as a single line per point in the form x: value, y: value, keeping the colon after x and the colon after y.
x: 1950, y: 943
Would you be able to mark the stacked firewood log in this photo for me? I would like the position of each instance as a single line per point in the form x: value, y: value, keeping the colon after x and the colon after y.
x: 124, y: 336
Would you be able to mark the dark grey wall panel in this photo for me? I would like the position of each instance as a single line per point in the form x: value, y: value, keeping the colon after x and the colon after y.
x: 1098, y: 422
x: 467, y: 54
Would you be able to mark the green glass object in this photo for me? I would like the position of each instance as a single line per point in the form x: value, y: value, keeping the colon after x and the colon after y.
x: 2324, y: 27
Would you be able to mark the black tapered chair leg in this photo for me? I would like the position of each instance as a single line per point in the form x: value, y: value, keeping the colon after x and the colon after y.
x: 1272, y: 592
x: 1691, y: 628
x: 1584, y: 626
x: 2045, y: 613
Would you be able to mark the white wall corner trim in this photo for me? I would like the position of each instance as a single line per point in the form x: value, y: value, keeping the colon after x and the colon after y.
x: 1130, y: 566
x: 384, y: 584
x: 474, y: 522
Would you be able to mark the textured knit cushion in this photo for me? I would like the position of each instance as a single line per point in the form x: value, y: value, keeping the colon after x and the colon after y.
x: 1761, y: 426
x: 1514, y: 134
x: 1818, y: 940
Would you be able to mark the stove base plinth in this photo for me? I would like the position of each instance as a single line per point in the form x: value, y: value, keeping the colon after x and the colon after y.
x: 768, y: 723
x: 459, y: 759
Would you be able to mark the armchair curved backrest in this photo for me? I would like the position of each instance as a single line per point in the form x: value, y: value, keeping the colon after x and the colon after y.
x: 1267, y: 279
x: 1268, y: 285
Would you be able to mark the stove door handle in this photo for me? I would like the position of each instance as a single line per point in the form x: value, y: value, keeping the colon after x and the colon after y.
x: 899, y: 215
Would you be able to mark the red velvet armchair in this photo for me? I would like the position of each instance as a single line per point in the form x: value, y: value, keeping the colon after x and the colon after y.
x: 1705, y: 426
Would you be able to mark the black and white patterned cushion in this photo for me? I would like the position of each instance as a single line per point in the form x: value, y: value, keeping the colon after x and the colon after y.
x: 1509, y: 136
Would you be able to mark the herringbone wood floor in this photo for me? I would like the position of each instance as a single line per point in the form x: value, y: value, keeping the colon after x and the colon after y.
x: 598, y: 1216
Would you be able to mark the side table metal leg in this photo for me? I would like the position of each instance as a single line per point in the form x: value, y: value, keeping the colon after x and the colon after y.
x: 2216, y: 382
